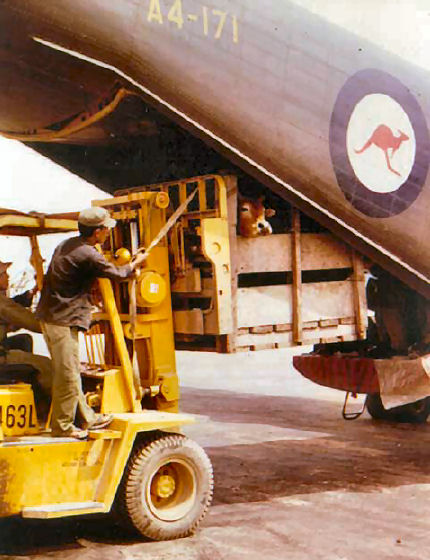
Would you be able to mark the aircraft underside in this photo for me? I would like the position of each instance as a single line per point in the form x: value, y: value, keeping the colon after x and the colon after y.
x: 156, y: 90
x: 114, y: 94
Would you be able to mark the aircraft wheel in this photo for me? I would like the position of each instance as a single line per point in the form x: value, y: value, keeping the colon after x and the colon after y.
x: 413, y: 413
x: 167, y: 488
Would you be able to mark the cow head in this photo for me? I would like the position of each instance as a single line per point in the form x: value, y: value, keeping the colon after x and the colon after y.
x: 252, y: 217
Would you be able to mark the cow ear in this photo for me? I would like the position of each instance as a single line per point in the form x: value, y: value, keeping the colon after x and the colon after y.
x: 269, y: 212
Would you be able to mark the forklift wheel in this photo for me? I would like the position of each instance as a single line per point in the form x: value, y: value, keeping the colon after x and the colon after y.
x: 412, y: 413
x: 167, y: 488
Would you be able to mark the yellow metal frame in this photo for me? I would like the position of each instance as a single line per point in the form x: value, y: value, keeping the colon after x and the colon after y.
x: 152, y: 331
x: 43, y: 477
x: 214, y: 232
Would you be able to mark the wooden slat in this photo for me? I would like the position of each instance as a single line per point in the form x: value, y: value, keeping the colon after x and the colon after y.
x: 311, y: 325
x: 182, y: 191
x: 271, y: 305
x: 272, y: 253
x: 283, y: 327
x: 347, y: 320
x: 263, y: 329
x: 310, y: 336
x: 202, y: 195
x: 297, y: 277
x: 328, y: 323
x: 268, y: 346
x: 359, y: 295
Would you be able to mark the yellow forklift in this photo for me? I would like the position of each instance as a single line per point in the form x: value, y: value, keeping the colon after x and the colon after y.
x: 157, y: 480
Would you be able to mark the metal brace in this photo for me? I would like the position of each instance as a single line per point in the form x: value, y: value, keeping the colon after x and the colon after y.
x: 351, y: 415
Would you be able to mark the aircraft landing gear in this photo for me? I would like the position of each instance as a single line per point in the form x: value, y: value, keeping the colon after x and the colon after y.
x: 412, y: 413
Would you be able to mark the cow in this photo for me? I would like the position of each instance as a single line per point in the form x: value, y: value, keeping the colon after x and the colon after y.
x: 252, y: 220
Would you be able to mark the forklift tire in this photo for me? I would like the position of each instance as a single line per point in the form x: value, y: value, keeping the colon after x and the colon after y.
x: 412, y: 413
x: 167, y: 488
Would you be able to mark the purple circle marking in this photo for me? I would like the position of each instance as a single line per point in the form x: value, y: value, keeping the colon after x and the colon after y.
x: 367, y: 201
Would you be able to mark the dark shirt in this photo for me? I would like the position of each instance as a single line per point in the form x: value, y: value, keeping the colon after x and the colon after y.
x: 25, y: 299
x: 65, y: 298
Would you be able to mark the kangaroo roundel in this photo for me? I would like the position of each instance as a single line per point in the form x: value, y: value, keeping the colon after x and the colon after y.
x: 379, y: 144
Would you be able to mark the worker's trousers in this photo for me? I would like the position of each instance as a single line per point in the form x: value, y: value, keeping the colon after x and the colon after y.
x: 67, y: 395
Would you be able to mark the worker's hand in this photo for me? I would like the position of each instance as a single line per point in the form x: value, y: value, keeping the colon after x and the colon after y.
x: 138, y: 260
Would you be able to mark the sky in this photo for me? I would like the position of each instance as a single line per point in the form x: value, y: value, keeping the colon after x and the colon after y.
x: 29, y: 182
x: 400, y: 26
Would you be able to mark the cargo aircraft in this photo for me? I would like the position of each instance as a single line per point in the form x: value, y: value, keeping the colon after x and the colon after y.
x: 140, y: 91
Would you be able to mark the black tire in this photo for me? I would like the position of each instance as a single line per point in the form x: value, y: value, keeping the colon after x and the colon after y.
x: 166, y: 489
x: 412, y: 413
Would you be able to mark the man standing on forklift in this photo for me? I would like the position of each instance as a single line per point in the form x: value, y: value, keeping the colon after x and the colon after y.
x: 65, y: 309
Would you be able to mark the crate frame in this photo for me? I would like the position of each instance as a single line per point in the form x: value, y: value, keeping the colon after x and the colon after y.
x: 221, y: 327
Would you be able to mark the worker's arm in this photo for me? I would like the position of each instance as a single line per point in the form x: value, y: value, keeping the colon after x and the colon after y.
x: 104, y: 269
x: 18, y: 316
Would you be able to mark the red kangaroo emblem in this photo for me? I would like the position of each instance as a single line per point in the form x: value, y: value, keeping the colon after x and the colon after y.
x: 384, y: 138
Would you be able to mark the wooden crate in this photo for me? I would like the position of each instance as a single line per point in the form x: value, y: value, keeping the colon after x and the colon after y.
x: 327, y: 309
x: 298, y: 311
x: 318, y: 288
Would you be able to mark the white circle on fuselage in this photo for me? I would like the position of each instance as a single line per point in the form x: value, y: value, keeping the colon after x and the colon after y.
x: 380, y: 143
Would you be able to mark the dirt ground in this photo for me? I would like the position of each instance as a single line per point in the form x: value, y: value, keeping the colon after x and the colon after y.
x: 292, y: 478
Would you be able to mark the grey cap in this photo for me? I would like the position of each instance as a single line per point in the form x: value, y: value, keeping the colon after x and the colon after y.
x: 96, y: 217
